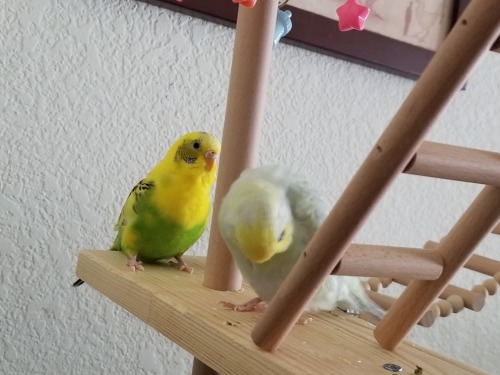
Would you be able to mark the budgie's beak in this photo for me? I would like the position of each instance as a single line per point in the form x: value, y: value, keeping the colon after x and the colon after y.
x: 210, y: 159
x: 257, y: 242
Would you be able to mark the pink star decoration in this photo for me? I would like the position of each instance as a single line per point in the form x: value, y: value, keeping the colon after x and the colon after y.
x: 246, y: 3
x: 352, y: 15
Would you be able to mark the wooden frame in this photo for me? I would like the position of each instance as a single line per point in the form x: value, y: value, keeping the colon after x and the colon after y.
x: 366, y: 48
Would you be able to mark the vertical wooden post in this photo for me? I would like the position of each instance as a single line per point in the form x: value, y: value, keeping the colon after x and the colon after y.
x: 242, y: 126
x: 455, y: 248
x: 200, y: 368
x: 474, y: 33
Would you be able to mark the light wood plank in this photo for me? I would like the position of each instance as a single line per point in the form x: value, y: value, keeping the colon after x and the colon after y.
x: 178, y: 306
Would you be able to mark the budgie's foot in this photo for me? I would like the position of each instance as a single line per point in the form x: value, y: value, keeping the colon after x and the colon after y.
x: 349, y: 311
x: 183, y: 266
x: 254, y: 305
x: 133, y: 264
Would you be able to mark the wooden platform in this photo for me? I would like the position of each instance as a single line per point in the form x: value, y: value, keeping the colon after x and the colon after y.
x: 177, y: 305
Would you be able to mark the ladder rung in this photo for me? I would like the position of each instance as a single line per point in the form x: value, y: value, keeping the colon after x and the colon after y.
x: 386, y: 302
x: 456, y: 163
x: 390, y: 261
x: 478, y: 263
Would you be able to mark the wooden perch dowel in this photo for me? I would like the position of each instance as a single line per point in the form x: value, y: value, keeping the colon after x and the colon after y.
x: 242, y: 125
x: 483, y: 265
x: 472, y: 300
x: 456, y: 163
x: 200, y: 368
x: 242, y: 128
x: 455, y: 248
x: 469, y: 298
x: 478, y: 263
x: 389, y: 261
x: 473, y: 35
x: 385, y: 302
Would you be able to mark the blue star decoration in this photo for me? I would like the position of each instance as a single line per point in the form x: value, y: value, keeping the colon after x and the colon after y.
x: 352, y: 15
x: 283, y: 25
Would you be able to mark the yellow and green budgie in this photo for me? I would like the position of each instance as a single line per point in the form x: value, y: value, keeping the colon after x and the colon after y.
x: 167, y: 211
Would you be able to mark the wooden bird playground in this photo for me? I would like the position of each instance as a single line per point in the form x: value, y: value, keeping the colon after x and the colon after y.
x: 186, y: 309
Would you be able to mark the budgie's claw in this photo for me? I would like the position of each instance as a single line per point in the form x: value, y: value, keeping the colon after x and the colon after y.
x: 254, y: 305
x: 183, y: 266
x: 134, y: 265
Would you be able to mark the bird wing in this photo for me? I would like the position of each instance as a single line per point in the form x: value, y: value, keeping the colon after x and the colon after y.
x: 309, y: 209
x: 130, y: 208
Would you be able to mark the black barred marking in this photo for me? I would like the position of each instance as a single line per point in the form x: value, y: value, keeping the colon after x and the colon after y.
x: 140, y: 189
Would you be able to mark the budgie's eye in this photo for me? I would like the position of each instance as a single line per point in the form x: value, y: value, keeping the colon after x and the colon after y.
x: 282, y: 235
x: 196, y: 145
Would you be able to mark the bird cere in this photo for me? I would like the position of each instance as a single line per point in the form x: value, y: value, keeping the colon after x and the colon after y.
x: 167, y: 211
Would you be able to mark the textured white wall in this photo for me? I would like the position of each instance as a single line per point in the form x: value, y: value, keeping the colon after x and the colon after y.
x: 92, y: 94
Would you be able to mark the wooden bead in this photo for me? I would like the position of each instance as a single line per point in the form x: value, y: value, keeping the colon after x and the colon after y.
x: 365, y: 284
x: 491, y: 286
x: 430, y: 316
x: 374, y: 284
x: 497, y: 277
x: 480, y: 289
x: 456, y: 302
x: 445, y: 308
x: 436, y: 311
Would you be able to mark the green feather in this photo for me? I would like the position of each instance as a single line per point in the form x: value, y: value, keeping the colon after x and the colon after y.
x: 158, y: 237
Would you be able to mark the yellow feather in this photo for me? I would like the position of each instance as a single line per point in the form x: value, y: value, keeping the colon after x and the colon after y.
x: 183, y: 200
x: 182, y: 191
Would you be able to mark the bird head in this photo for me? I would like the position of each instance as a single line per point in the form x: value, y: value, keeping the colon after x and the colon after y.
x: 196, y: 150
x: 263, y: 224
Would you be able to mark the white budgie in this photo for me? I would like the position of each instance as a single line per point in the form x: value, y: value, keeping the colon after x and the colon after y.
x: 267, y: 218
